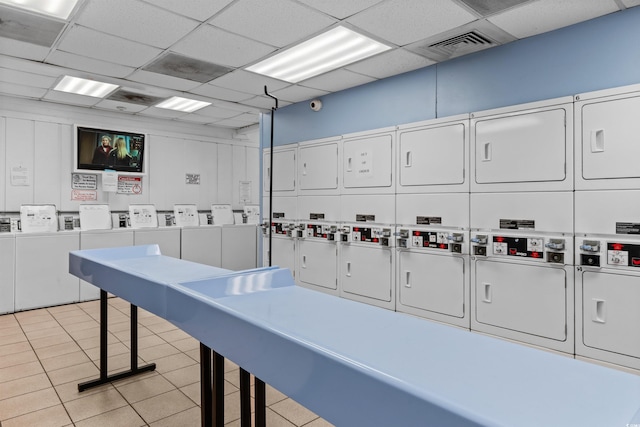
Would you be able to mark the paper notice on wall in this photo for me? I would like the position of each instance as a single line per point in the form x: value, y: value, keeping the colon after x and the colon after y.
x: 110, y: 182
x: 129, y: 184
x: 364, y: 163
x: 84, y: 195
x: 245, y: 191
x: 20, y: 176
x: 84, y: 181
x: 192, y: 178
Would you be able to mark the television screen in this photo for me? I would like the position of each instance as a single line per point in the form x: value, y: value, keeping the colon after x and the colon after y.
x: 104, y: 149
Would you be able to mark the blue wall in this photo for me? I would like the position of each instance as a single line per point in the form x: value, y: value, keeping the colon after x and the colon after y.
x: 592, y: 55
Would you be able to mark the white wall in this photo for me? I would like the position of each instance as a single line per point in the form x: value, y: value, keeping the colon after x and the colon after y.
x: 38, y: 137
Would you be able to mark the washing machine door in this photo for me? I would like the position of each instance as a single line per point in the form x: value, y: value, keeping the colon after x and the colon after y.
x: 318, y: 264
x: 530, y: 299
x: 610, y: 312
x: 432, y: 282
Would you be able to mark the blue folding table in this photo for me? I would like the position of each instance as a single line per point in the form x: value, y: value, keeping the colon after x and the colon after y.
x: 359, y: 365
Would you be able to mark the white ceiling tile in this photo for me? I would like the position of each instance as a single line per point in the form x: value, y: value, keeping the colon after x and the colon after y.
x: 275, y: 22
x: 200, y: 10
x: 31, y: 66
x: 337, y: 80
x: 215, y: 112
x: 406, y: 21
x: 23, y: 91
x: 142, y: 22
x: 162, y: 113
x: 265, y: 103
x: 233, y: 123
x: 547, y: 15
x: 222, y: 48
x: 390, y: 63
x: 296, y: 93
x: 252, y: 83
x: 220, y: 93
x: 248, y: 117
x: 163, y: 80
x: 196, y: 118
x: 90, y: 65
x: 87, y: 42
x: 124, y: 107
x: 340, y: 8
x: 23, y: 50
x: 71, y: 98
x: 631, y: 3
x: 26, y: 79
x: 234, y: 106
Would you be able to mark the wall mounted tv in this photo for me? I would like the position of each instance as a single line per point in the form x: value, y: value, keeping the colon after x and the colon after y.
x: 109, y: 150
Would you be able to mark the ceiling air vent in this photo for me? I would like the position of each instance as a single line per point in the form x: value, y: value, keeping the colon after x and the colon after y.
x: 474, y: 37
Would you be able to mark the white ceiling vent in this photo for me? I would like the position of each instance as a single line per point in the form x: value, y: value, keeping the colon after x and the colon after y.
x: 470, y: 38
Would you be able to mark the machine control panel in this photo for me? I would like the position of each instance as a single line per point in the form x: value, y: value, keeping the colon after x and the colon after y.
x: 376, y: 235
x: 439, y: 240
x: 530, y: 247
x: 321, y: 231
x: 623, y: 254
x: 283, y: 228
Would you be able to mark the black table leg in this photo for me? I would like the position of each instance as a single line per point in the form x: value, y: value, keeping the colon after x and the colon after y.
x: 261, y: 403
x: 134, y: 370
x: 218, y: 389
x: 245, y: 398
x: 206, y: 390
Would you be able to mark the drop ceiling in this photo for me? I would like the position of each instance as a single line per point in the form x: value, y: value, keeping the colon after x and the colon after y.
x: 156, y: 49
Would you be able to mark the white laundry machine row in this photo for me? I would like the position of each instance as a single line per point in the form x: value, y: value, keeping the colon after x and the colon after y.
x: 606, y: 134
x: 317, y: 255
x: 432, y: 257
x: 366, y: 255
x: 522, y: 273
x: 526, y: 147
x: 284, y: 232
x: 608, y: 276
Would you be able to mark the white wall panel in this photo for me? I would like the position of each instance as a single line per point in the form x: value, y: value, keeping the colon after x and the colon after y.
x: 239, y: 173
x: 3, y: 163
x: 20, y: 154
x: 47, y: 159
x: 207, y: 163
x: 165, y: 166
x: 225, y: 174
x: 253, y: 173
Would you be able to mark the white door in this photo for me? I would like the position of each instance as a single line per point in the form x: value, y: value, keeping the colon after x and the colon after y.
x: 318, y: 264
x: 7, y: 260
x: 366, y: 272
x: 610, y: 135
x: 529, y: 147
x: 318, y: 167
x: 283, y: 173
x: 432, y: 156
x: 282, y: 253
x: 432, y: 282
x: 525, y: 298
x: 368, y: 162
x: 610, y: 312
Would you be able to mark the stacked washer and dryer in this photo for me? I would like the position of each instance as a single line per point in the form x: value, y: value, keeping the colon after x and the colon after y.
x: 607, y: 203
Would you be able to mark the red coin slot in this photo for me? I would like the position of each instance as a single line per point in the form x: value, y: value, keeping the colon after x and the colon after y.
x: 635, y: 261
x: 499, y: 239
x: 374, y: 240
x: 617, y: 246
x: 356, y: 229
x: 513, y: 251
x: 535, y: 254
x: 443, y: 246
x: 416, y: 233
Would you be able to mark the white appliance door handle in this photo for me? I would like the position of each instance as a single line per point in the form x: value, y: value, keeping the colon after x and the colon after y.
x: 304, y: 168
x: 304, y: 261
x: 348, y: 268
x: 597, y: 141
x: 349, y: 163
x: 407, y: 163
x: 407, y: 282
x: 486, y: 154
x: 599, y: 314
x: 487, y: 292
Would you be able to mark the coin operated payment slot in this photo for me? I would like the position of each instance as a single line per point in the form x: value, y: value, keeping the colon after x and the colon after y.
x: 623, y: 254
x: 321, y: 231
x: 451, y: 242
x: 530, y: 247
x: 479, y: 244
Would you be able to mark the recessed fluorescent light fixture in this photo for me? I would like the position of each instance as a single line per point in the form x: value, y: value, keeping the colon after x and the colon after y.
x: 329, y: 51
x: 182, y: 104
x: 85, y: 87
x: 56, y: 8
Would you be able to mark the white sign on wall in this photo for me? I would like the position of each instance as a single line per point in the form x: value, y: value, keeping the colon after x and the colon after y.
x: 84, y: 181
x: 129, y: 184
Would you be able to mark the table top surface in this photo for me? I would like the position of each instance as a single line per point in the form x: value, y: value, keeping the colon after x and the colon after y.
x: 482, y: 379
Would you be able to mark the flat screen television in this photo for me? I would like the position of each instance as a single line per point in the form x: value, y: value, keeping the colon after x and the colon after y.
x: 108, y: 149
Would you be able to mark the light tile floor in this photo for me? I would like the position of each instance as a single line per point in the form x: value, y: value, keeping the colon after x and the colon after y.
x: 45, y: 353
